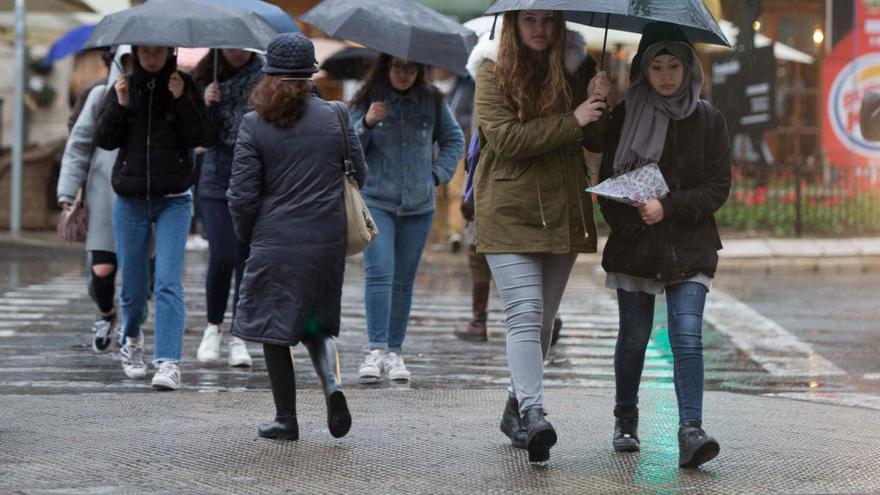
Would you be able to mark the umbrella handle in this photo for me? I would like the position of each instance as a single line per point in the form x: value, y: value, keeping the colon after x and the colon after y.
x: 604, y: 43
x: 216, y: 62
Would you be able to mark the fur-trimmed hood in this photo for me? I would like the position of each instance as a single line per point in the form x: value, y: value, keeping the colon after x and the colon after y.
x: 487, y: 49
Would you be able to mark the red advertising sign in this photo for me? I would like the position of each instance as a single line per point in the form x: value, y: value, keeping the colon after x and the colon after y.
x: 851, y: 69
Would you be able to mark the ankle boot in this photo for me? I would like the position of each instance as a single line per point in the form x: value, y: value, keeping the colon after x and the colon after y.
x: 626, y: 426
x: 476, y: 330
x: 694, y: 446
x: 325, y: 360
x: 283, y: 428
x: 540, y: 433
x: 511, y: 424
x: 283, y: 381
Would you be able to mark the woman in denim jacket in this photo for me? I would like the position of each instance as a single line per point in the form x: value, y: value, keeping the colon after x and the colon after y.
x: 398, y: 118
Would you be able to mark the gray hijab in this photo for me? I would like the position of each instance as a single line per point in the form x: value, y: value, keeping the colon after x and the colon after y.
x: 647, y: 113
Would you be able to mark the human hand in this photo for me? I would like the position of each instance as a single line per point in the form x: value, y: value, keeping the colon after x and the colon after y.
x: 651, y: 212
x: 467, y: 211
x: 375, y: 113
x: 175, y: 85
x: 589, y: 111
x: 599, y: 85
x: 212, y: 93
x: 65, y: 206
x: 121, y: 88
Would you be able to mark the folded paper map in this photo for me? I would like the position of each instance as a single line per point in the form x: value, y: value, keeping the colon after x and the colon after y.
x: 635, y: 187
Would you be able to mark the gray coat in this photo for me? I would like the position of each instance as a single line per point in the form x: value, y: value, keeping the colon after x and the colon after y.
x: 85, y: 164
x: 285, y: 198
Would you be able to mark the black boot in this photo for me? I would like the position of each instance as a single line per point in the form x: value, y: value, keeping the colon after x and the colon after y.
x: 540, y: 433
x: 557, y: 327
x: 283, y: 381
x: 694, y: 446
x: 511, y: 424
x: 476, y: 330
x: 324, y: 358
x: 626, y: 428
x: 283, y: 428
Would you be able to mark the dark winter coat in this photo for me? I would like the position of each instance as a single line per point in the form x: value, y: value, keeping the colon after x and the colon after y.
x: 696, y: 166
x: 155, y: 134
x: 285, y: 197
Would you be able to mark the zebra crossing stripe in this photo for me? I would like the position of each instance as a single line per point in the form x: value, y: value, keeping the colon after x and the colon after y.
x: 764, y: 341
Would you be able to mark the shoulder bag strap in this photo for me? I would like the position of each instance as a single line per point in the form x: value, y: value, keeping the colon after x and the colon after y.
x: 347, y: 167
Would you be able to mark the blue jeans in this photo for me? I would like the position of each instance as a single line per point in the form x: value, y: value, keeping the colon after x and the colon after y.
x: 684, y: 302
x: 132, y: 225
x: 390, y: 266
x: 226, y: 255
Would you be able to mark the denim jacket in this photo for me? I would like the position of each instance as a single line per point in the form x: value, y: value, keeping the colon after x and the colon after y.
x: 399, y: 149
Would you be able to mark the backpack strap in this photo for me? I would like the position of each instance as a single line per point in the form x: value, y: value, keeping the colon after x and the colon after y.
x: 438, y: 112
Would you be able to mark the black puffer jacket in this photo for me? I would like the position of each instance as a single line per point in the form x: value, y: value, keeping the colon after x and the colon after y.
x: 696, y: 166
x: 154, y: 133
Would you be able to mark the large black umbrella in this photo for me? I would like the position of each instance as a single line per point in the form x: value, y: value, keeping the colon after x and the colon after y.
x: 185, y: 23
x: 352, y: 62
x: 692, y: 16
x: 402, y: 28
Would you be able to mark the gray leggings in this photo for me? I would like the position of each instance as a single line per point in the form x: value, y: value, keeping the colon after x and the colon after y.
x: 531, y: 287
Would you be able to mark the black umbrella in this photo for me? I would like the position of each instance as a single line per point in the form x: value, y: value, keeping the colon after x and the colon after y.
x: 186, y: 23
x: 349, y: 63
x: 402, y: 28
x: 691, y: 16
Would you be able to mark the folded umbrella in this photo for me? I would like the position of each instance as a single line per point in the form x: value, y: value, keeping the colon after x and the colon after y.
x: 635, y: 187
x: 402, y: 28
x: 184, y: 23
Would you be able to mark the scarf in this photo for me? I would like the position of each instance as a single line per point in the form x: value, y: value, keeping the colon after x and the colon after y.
x: 643, y: 135
x: 235, y: 102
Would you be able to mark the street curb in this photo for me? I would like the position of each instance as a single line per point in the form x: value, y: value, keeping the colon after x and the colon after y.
x: 28, y: 241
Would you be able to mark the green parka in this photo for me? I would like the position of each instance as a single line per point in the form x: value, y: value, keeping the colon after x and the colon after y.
x: 529, y: 183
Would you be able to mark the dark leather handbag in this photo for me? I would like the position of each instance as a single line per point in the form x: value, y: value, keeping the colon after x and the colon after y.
x: 74, y: 221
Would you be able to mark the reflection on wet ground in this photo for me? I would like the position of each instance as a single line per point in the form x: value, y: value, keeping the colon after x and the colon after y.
x: 46, y: 315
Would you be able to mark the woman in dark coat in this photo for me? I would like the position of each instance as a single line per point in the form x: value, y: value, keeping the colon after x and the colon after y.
x: 285, y: 198
x: 668, y: 245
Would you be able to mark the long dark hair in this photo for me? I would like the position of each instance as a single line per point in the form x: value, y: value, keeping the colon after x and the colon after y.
x: 203, y: 72
x: 377, y: 79
x: 279, y: 102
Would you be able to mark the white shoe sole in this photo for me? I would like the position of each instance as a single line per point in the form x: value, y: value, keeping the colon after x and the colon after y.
x: 400, y: 377
x: 369, y: 378
x: 137, y: 374
x: 162, y: 384
x: 241, y: 363
x: 207, y: 358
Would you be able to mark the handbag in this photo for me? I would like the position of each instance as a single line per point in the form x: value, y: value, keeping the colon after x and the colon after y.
x: 360, y: 227
x: 73, y: 222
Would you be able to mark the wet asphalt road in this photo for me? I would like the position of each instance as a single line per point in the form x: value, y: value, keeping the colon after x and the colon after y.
x: 45, y: 317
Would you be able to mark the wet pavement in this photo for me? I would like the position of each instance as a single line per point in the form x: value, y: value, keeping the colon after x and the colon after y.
x: 824, y: 334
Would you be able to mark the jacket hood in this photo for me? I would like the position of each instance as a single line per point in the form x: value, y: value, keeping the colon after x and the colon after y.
x: 487, y: 49
x: 121, y: 53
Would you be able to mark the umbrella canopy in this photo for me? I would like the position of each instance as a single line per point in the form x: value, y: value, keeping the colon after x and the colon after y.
x: 71, y: 42
x: 272, y: 14
x: 630, y: 15
x: 402, y: 28
x: 184, y: 23
x: 349, y: 63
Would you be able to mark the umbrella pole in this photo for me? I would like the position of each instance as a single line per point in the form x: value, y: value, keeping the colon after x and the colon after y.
x: 216, y: 62
x: 604, y: 43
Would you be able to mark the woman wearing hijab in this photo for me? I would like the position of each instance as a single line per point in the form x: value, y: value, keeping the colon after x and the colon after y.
x: 669, y: 244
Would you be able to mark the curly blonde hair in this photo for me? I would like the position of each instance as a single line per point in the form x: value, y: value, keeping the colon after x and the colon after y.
x: 534, y: 89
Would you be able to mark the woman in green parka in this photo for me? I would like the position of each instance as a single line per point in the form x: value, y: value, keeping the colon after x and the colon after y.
x: 536, y: 113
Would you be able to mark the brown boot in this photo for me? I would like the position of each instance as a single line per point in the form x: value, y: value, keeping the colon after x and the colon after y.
x: 476, y: 330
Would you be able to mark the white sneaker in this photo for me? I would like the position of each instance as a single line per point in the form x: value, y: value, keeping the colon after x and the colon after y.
x: 371, y: 369
x: 209, y: 349
x: 396, y: 368
x: 238, y: 353
x: 167, y: 377
x: 132, y: 356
